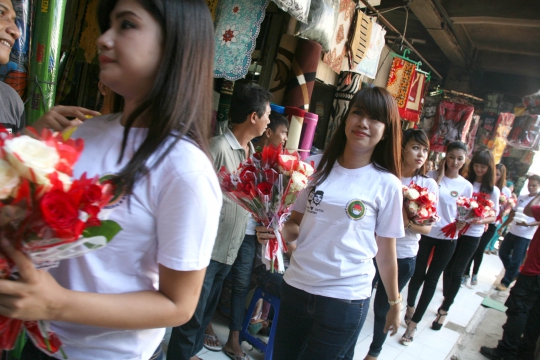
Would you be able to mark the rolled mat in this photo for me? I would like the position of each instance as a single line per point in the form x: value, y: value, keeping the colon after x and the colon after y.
x: 296, y: 119
x: 46, y: 42
x: 281, y: 72
x: 304, y: 68
x: 278, y: 109
x: 308, y: 133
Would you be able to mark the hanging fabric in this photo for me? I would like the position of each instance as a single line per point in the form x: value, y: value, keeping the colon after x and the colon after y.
x: 335, y: 56
x: 369, y: 64
x: 429, y: 113
x: 298, y: 9
x: 399, y: 82
x: 281, y: 72
x: 415, y: 98
x: 238, y: 24
x: 498, y: 143
x: 452, y: 123
x: 358, y: 44
x: 525, y: 132
x: 471, y: 135
x: 486, y: 132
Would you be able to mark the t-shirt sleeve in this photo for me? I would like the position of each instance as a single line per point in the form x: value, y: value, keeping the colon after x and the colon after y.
x: 188, y: 211
x: 536, y: 212
x: 495, y: 198
x: 301, y: 201
x: 468, y: 190
x: 390, y: 215
x: 432, y: 186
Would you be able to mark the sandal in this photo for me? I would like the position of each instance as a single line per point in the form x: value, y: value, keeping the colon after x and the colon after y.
x: 436, y: 325
x: 407, y: 339
x: 236, y: 357
x: 212, y: 338
x: 407, y: 316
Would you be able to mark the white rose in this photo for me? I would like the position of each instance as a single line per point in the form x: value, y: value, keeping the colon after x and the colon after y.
x: 305, y: 168
x: 65, y: 180
x: 413, y: 207
x: 298, y: 181
x: 474, y: 204
x: 423, y: 213
x: 413, y: 194
x: 9, y: 179
x: 432, y: 197
x: 33, y: 159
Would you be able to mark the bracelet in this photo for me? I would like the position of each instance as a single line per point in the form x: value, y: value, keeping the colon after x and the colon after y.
x: 395, y: 302
x: 408, y: 226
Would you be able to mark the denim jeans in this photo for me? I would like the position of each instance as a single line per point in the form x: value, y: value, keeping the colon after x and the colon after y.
x: 241, y: 277
x: 453, y: 273
x: 512, y: 252
x: 268, y: 281
x: 381, y: 305
x: 478, y: 255
x: 523, y: 317
x: 187, y: 340
x: 444, y: 249
x: 314, y: 327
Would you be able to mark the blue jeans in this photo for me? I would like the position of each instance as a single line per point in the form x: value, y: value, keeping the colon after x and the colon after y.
x: 187, y: 340
x: 241, y: 277
x: 268, y: 281
x: 314, y: 327
x: 517, y: 247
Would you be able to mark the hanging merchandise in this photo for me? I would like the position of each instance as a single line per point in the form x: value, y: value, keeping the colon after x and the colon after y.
x: 335, y: 56
x: 429, y: 114
x: 471, y: 135
x: 281, y: 72
x: 91, y: 32
x: 15, y: 72
x: 399, y: 81
x: 298, y: 9
x: 451, y: 123
x: 322, y: 20
x: 212, y: 5
x: 527, y: 158
x: 224, y: 106
x: 238, y: 23
x: 359, y: 41
x: 415, y: 98
x: 525, y: 132
x: 308, y: 133
x: 46, y: 41
x: 348, y: 85
x: 296, y: 119
x: 498, y: 143
x: 369, y: 64
x: 487, y: 129
x: 304, y: 68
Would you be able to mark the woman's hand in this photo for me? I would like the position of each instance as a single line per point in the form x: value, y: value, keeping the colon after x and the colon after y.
x: 34, y: 296
x: 500, y: 231
x: 460, y: 225
x: 392, y: 320
x: 477, y: 221
x: 442, y: 166
x: 405, y: 215
x: 264, y: 234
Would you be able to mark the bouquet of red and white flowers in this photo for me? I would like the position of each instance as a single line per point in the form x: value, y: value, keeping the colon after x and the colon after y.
x: 505, y: 205
x: 420, y: 204
x: 47, y: 215
x: 266, y: 185
x: 477, y: 207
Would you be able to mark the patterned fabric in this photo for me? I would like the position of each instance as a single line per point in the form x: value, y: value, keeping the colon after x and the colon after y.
x: 359, y: 41
x: 452, y: 123
x: 212, y: 5
x: 369, y: 64
x: 399, y: 81
x: 525, y: 132
x: 349, y: 84
x: 335, y: 56
x: 304, y: 68
x: 471, y: 135
x: 415, y: 99
x: 498, y: 144
x: 298, y: 9
x: 237, y: 26
x: 281, y: 72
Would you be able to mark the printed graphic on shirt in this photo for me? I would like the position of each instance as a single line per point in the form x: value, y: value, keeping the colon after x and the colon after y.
x: 315, y: 198
x: 454, y: 193
x: 119, y: 193
x: 355, y: 209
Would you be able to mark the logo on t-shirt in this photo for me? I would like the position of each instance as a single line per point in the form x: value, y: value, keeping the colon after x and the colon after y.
x: 119, y: 193
x: 355, y: 209
x: 314, y: 200
x: 454, y: 193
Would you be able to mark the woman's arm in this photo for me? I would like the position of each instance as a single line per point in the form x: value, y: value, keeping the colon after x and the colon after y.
x: 528, y: 211
x: 37, y: 296
x: 290, y: 229
x: 387, y: 264
x: 414, y: 228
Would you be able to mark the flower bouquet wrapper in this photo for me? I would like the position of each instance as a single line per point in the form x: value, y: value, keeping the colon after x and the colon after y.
x: 420, y: 204
x: 450, y: 231
x: 478, y: 207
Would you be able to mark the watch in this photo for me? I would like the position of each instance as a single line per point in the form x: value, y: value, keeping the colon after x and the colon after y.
x: 395, y: 302
x: 408, y: 226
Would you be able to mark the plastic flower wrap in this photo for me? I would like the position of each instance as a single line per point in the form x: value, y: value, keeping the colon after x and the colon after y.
x: 477, y: 207
x: 505, y: 205
x: 47, y: 215
x: 266, y: 185
x: 420, y: 204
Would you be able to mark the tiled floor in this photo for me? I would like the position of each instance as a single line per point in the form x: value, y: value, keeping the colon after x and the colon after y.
x: 427, y: 344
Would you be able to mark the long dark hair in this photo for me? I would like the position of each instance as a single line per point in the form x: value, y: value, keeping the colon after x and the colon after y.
x: 483, y: 157
x: 420, y: 137
x: 502, y: 179
x: 179, y: 104
x: 378, y: 104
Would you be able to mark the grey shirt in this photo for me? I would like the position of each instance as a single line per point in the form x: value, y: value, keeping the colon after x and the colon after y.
x: 227, y: 151
x: 11, y: 109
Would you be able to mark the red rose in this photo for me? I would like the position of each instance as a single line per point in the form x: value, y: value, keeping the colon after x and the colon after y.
x: 271, y: 175
x: 61, y: 213
x: 248, y: 173
x: 265, y: 188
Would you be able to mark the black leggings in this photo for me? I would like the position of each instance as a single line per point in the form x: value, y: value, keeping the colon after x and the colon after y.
x: 441, y: 256
x: 479, y: 253
x: 465, y: 248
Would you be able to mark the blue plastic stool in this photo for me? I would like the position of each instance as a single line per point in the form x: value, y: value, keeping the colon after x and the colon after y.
x: 267, y: 349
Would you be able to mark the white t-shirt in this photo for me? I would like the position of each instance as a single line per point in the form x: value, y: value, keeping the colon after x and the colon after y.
x: 336, y: 245
x: 478, y: 230
x: 506, y: 192
x: 449, y: 191
x: 172, y: 220
x: 251, y: 225
x: 407, y: 246
x: 526, y: 232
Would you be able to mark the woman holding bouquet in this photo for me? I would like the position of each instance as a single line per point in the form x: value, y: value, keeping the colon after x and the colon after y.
x: 414, y: 155
x: 451, y: 186
x: 114, y: 303
x: 325, y: 291
x: 500, y: 181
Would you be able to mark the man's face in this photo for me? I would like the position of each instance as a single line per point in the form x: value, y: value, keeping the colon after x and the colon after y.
x: 317, y: 198
x: 9, y: 32
x: 278, y: 137
x: 533, y: 187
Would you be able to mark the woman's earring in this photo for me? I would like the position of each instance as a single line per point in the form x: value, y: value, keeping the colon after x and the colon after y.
x: 384, y: 137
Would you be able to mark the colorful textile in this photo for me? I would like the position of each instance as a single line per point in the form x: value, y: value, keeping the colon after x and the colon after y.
x: 349, y: 84
x: 281, y: 72
x: 308, y: 133
x: 452, y: 123
x: 369, y: 64
x: 335, y: 56
x: 298, y: 9
x: 304, y: 68
x: 237, y: 26
x: 525, y: 131
x: 415, y: 99
x: 212, y: 5
x: 502, y: 129
x: 429, y: 113
x: 399, y: 82
x: 359, y: 41
x: 486, y: 131
x: 471, y: 136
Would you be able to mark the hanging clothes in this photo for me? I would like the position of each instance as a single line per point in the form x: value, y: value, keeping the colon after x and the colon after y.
x: 369, y: 64
x: 451, y: 123
x: 359, y: 42
x: 334, y: 57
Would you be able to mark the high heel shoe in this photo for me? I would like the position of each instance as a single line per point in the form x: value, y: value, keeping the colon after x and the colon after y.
x: 408, y: 317
x: 436, y: 325
x: 407, y: 338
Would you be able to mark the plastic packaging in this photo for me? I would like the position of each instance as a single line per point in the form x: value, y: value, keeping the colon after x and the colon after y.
x: 298, y: 9
x: 322, y: 20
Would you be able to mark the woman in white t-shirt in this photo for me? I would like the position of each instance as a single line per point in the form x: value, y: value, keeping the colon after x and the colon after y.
x: 114, y: 303
x: 451, y: 186
x: 325, y: 292
x: 413, y: 169
x: 500, y: 181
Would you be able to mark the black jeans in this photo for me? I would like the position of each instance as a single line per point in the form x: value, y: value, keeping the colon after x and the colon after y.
x: 479, y: 253
x: 523, y: 317
x: 441, y: 256
x: 381, y: 305
x: 187, y: 340
x: 512, y: 252
x: 465, y: 248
